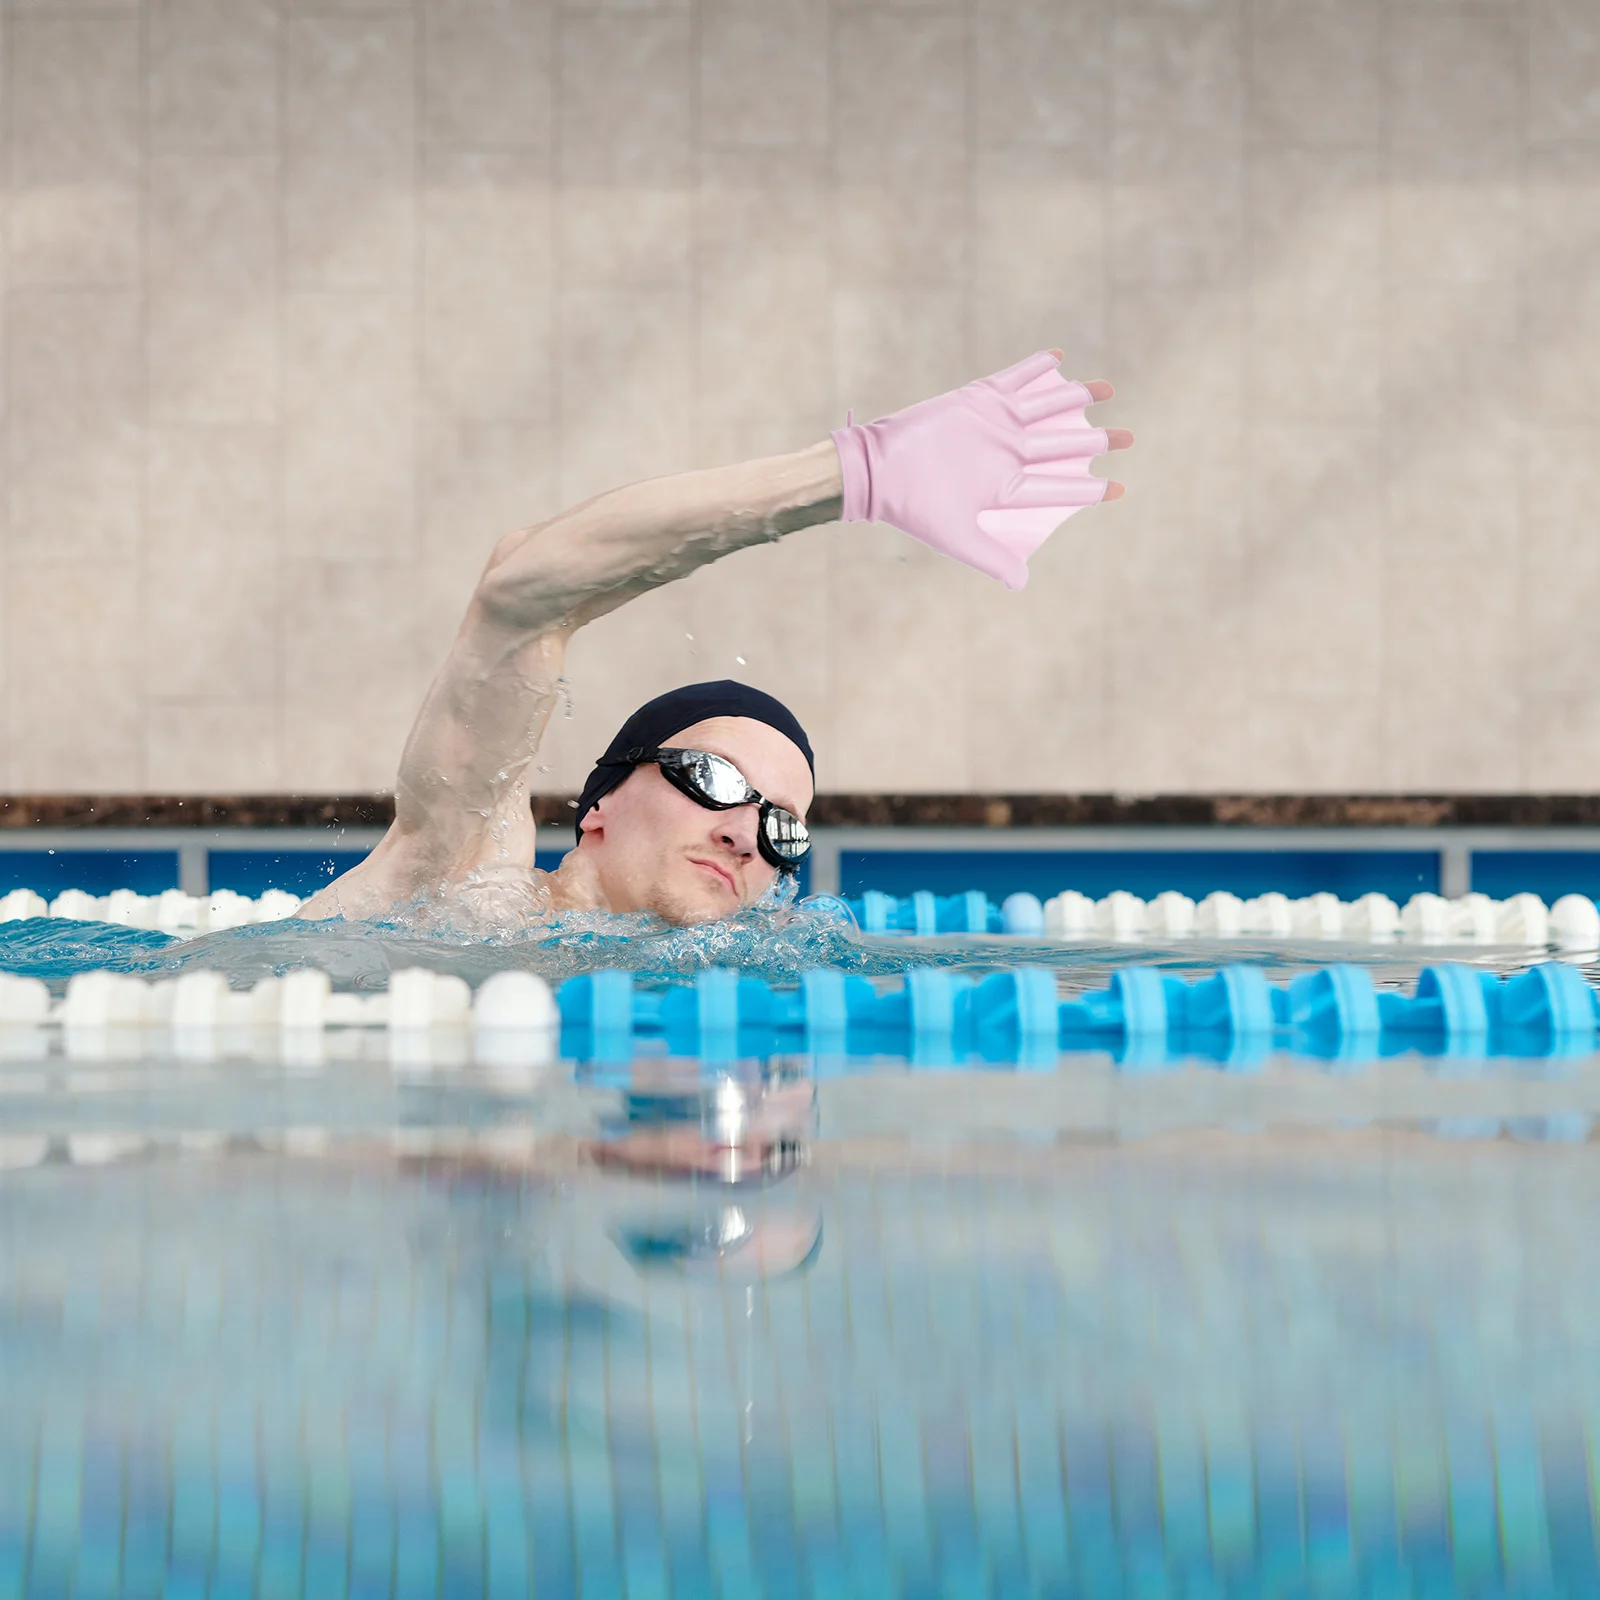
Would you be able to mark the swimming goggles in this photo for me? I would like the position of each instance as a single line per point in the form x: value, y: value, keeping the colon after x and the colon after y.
x: 715, y: 783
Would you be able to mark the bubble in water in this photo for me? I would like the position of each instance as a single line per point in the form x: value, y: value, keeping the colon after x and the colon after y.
x: 830, y: 908
x: 781, y: 893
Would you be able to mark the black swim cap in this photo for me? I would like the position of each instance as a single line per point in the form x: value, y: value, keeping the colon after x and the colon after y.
x: 658, y: 720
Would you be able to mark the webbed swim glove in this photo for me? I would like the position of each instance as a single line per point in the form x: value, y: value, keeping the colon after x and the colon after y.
x: 985, y: 473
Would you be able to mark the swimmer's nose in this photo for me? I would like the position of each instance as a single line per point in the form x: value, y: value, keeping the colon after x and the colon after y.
x: 736, y: 830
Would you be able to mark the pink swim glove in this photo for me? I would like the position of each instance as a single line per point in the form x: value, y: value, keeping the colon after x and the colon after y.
x: 985, y: 473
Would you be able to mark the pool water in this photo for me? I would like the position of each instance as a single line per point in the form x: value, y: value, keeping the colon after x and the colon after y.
x: 777, y: 947
x: 277, y: 1332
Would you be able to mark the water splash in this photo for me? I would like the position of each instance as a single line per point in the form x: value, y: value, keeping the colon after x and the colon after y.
x: 776, y: 940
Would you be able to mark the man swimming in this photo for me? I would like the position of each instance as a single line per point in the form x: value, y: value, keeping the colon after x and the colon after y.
x: 700, y: 801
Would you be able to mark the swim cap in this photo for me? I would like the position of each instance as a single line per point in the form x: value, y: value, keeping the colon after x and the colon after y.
x: 658, y: 720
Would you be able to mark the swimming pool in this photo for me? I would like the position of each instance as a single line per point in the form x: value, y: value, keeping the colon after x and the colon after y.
x: 357, y: 1332
x: 381, y: 1319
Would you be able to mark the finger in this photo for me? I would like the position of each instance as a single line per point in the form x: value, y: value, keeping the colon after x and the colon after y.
x: 1114, y: 491
x: 1074, y: 443
x: 1047, y: 489
x: 1011, y: 379
x: 1056, y: 353
x: 1040, y: 403
x: 1100, y: 389
x: 1118, y: 439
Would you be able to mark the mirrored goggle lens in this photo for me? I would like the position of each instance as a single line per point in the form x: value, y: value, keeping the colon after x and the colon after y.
x: 787, y: 835
x: 718, y: 780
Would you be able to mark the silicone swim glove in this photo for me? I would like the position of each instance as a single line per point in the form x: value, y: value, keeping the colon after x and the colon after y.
x: 985, y: 473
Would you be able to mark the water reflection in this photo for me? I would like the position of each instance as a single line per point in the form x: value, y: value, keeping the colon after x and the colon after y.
x: 716, y: 1337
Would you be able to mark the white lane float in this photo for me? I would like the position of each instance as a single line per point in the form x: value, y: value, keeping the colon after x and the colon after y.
x: 1522, y: 921
x: 1220, y: 916
x: 1170, y: 916
x: 1372, y: 919
x: 1269, y: 916
x: 1120, y: 917
x: 428, y: 1017
x: 1575, y: 923
x: 1069, y: 915
x: 172, y: 911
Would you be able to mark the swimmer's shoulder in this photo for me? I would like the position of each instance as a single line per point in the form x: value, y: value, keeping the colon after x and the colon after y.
x: 575, y: 885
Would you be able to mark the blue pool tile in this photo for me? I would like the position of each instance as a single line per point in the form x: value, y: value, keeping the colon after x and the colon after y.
x: 97, y: 1573
x: 13, y: 1563
x: 1136, y: 1482
x: 1088, y: 1486
x: 1474, y: 1535
x: 1546, y: 873
x: 94, y: 871
x: 1196, y: 873
x: 417, y: 1563
x: 301, y: 872
x: 184, y: 1583
x: 1524, y: 1524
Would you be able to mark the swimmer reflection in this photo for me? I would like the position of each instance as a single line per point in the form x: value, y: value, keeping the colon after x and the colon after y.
x: 1242, y: 1363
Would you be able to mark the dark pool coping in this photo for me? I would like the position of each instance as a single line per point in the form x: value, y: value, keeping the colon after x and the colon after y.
x: 860, y: 810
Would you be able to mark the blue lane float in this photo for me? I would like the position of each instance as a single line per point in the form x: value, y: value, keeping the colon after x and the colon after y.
x: 1144, y: 1018
x: 924, y: 914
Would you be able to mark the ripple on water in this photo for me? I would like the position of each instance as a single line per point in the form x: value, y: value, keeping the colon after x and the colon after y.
x: 776, y: 945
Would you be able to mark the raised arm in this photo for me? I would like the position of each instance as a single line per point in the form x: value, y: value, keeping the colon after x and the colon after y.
x: 983, y: 473
x: 466, y: 763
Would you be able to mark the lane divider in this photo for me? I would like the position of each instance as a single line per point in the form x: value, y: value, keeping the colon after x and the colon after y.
x: 170, y: 912
x: 1235, y: 1016
x: 1572, y: 923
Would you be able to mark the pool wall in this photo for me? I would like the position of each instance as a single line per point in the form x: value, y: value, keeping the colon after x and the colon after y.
x: 1347, y: 862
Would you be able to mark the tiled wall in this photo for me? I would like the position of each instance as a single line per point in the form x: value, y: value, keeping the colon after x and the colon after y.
x: 305, y: 304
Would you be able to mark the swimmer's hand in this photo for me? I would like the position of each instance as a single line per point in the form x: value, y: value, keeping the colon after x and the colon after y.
x: 987, y: 472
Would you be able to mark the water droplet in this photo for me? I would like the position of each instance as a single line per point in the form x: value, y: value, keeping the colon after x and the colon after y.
x: 739, y: 660
x: 689, y: 637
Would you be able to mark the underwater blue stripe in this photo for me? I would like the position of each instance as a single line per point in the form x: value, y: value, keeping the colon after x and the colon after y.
x: 1524, y: 1530
x: 416, y: 1559
x: 1474, y: 1537
x: 1569, y: 1509
x: 1136, y: 1480
x: 1278, y: 1509
x: 1087, y: 1474
x: 1182, y: 1466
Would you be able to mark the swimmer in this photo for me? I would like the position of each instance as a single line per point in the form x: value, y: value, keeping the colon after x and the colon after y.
x: 699, y: 803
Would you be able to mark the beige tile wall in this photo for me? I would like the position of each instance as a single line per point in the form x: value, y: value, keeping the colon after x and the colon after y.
x: 308, y: 301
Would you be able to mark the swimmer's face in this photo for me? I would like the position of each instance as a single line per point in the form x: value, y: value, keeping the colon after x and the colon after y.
x: 655, y: 849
